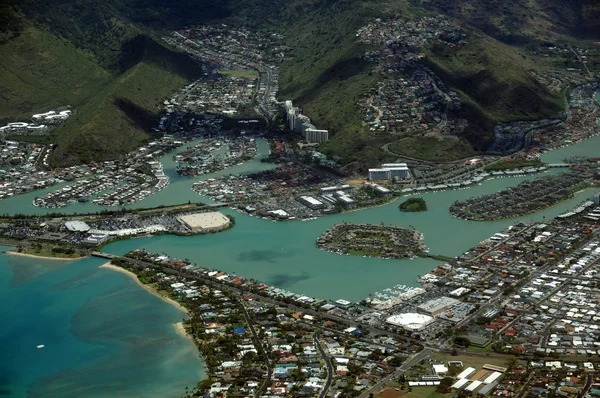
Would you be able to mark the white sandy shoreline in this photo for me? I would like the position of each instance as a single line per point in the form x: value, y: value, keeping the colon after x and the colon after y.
x: 147, y: 288
x: 15, y: 253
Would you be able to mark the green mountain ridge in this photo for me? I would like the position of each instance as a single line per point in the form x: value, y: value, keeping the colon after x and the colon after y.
x: 88, y: 55
x: 103, y: 58
x: 518, y: 21
x: 120, y: 117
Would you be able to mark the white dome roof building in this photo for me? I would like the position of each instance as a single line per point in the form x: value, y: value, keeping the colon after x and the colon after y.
x: 410, y: 321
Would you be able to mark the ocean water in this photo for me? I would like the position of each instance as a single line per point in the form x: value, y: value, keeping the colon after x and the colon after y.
x: 104, y: 336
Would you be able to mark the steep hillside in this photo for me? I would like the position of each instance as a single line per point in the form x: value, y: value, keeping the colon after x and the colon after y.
x: 120, y: 117
x: 493, y: 82
x: 326, y: 78
x: 40, y: 71
x: 519, y: 21
x: 86, y: 54
x: 101, y: 56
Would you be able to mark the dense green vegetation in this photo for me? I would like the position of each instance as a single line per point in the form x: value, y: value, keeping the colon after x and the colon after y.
x: 40, y: 71
x: 413, y: 205
x: 432, y: 148
x: 326, y: 78
x: 120, y: 117
x: 515, y: 164
x: 86, y: 54
x: 104, y: 59
x: 493, y: 81
x: 516, y: 21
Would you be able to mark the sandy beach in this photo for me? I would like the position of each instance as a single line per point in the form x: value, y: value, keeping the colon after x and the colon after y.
x: 15, y: 253
x: 181, y: 330
x: 149, y: 289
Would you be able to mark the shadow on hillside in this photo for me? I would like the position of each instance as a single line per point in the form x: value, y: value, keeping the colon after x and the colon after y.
x: 340, y: 71
x: 174, y: 14
x: 144, y: 49
x: 137, y: 115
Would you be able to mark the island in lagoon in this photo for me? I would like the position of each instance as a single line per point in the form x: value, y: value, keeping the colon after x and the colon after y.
x: 372, y: 241
x: 413, y: 205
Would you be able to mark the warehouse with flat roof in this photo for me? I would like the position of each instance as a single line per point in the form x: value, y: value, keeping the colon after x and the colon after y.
x: 437, y: 306
x: 310, y: 202
x: 205, y: 222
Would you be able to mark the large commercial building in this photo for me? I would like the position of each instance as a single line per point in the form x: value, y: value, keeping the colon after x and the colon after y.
x: 291, y: 114
x: 394, y: 165
x: 437, y: 306
x: 311, y: 202
x: 314, y: 135
x: 410, y: 321
x: 399, y: 170
x: 206, y: 222
x: 300, y: 123
x: 345, y: 200
x: 77, y: 226
x: 330, y: 190
x: 388, y: 171
x: 380, y: 174
x: 379, y: 190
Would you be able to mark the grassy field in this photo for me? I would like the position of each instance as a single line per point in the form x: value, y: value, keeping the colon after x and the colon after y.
x: 431, y: 148
x: 517, y: 164
x: 417, y: 392
x: 247, y: 73
x: 476, y: 361
x: 50, y: 253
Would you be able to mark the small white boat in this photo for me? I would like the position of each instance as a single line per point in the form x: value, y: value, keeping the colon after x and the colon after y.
x: 41, y: 346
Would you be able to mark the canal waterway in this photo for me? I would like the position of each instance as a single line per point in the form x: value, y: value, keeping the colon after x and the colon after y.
x: 178, y: 191
x: 85, y: 300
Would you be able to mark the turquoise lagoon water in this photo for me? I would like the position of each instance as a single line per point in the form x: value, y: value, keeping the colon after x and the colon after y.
x: 105, y: 336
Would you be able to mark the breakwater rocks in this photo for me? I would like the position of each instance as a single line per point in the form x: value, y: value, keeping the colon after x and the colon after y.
x: 372, y: 241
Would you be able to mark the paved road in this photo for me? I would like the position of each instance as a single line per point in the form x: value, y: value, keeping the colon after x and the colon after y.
x: 447, y: 101
x: 330, y: 371
x: 400, y: 371
x: 588, y: 384
x: 524, y: 390
x: 494, y: 300
x: 584, y: 63
x: 261, y: 349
